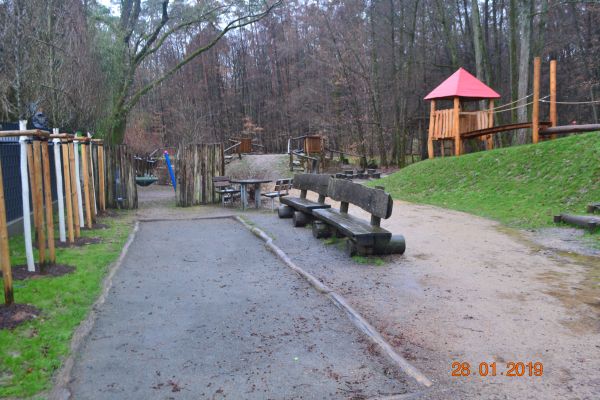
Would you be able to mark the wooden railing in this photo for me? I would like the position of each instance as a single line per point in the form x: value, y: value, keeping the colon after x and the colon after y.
x: 443, y: 124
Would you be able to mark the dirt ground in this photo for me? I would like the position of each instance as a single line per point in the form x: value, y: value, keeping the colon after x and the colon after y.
x: 470, y: 290
x: 466, y: 290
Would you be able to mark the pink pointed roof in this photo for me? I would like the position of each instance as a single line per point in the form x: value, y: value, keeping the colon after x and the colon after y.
x: 462, y: 84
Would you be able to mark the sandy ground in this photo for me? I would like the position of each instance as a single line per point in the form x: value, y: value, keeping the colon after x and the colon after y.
x: 467, y: 290
x: 470, y: 290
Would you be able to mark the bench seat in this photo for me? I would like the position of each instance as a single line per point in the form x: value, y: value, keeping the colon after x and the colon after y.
x: 301, y: 204
x: 362, y: 232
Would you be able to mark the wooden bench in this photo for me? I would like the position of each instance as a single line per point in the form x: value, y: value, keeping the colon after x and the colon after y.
x: 300, y: 208
x: 282, y: 188
x: 225, y: 189
x: 365, y: 238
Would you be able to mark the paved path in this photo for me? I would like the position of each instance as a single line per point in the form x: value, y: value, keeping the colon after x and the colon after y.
x: 200, y: 309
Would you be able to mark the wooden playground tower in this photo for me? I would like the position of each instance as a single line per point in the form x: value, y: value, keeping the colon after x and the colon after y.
x: 456, y: 125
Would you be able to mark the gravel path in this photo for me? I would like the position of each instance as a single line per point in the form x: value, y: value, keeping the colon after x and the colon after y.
x: 200, y: 309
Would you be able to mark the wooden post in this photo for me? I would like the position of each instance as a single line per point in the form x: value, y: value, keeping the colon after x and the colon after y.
x: 553, y: 112
x: 68, y: 193
x: 39, y: 198
x: 48, y: 197
x: 431, y: 125
x: 535, y: 115
x: 77, y: 224
x: 456, y: 127
x: 490, y: 138
x: 101, y: 179
x: 86, y: 183
x: 4, y: 250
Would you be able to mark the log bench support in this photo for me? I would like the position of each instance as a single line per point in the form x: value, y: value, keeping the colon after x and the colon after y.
x: 300, y: 208
x: 364, y: 238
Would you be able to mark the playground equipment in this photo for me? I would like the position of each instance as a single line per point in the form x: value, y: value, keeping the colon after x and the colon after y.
x: 308, y: 150
x: 456, y: 125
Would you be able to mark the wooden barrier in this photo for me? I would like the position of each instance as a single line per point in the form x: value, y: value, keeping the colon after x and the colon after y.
x: 121, y: 189
x: 85, y: 172
x: 101, y: 174
x: 197, y: 164
x: 74, y: 201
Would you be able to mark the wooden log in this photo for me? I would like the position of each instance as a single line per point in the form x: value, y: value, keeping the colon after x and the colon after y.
x: 4, y: 249
x: 101, y: 177
x: 431, y: 128
x: 535, y: 114
x: 285, y: 212
x: 68, y: 193
x: 456, y: 127
x: 593, y: 208
x: 570, y: 129
x: 74, y: 200
x: 300, y: 219
x: 321, y: 230
x: 396, y: 245
x: 38, y: 200
x: 86, y: 184
x: 589, y: 222
x: 48, y: 200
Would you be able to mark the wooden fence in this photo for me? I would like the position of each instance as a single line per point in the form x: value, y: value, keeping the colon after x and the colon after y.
x: 121, y: 190
x: 197, y: 165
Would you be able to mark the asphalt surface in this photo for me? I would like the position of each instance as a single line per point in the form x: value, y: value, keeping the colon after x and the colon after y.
x: 200, y: 309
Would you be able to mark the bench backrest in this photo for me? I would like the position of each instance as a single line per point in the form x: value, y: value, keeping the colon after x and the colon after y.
x: 283, y: 185
x: 317, y: 183
x: 375, y: 201
x: 221, y: 181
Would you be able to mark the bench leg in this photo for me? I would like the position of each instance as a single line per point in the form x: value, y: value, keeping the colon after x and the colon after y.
x: 396, y: 245
x: 351, y: 248
x: 301, y: 219
x: 285, y: 212
x: 321, y: 230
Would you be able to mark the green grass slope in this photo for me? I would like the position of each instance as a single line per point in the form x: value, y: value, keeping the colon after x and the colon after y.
x: 520, y: 186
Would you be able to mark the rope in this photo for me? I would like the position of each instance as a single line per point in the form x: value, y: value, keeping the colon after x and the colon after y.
x: 513, y: 102
x: 515, y: 107
x: 573, y: 102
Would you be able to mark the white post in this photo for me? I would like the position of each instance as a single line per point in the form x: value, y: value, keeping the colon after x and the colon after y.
x: 25, y: 195
x: 78, y: 183
x: 59, y: 188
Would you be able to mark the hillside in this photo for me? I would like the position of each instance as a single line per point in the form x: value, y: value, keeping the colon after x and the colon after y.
x: 520, y: 186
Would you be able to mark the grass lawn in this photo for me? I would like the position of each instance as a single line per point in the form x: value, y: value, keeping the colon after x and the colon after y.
x: 31, y: 353
x: 521, y: 186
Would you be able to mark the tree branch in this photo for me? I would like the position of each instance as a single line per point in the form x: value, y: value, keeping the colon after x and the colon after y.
x: 234, y: 24
x: 154, y: 35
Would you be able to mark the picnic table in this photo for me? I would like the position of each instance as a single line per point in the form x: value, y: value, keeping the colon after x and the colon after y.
x: 252, y: 182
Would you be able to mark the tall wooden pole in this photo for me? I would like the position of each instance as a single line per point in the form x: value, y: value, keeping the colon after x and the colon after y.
x: 535, y: 115
x: 101, y: 179
x: 4, y: 250
x: 39, y: 199
x: 553, y: 112
x: 456, y: 127
x: 48, y: 198
x: 68, y: 194
x: 86, y: 183
x: 490, y: 138
x: 77, y: 224
x: 431, y: 125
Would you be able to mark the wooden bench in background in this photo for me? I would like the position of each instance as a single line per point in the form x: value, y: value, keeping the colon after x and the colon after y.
x: 300, y: 208
x: 364, y: 238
